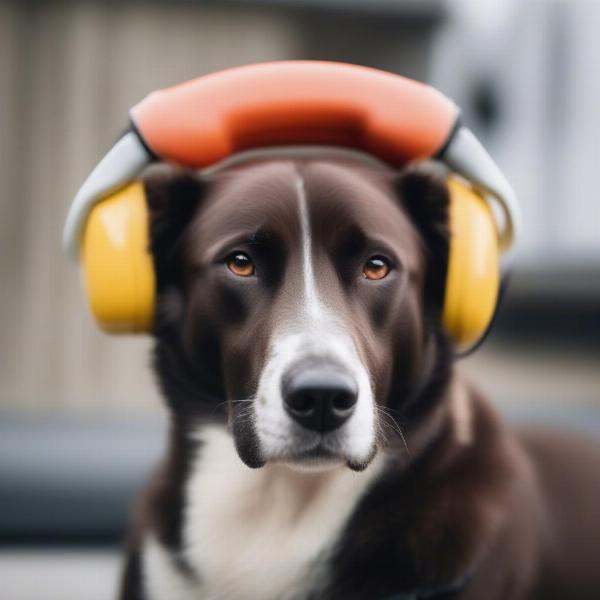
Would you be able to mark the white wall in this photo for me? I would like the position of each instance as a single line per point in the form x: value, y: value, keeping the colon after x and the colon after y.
x: 543, y: 56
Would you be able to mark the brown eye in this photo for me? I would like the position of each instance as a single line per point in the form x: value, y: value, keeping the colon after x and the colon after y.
x: 240, y: 264
x: 376, y: 267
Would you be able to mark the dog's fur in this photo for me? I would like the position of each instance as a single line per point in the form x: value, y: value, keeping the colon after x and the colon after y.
x: 423, y: 493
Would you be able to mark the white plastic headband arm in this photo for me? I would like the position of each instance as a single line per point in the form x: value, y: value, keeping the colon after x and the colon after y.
x: 124, y: 161
x: 466, y: 156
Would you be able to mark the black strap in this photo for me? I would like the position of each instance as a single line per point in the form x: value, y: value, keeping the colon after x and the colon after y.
x: 484, y: 335
x: 442, y: 593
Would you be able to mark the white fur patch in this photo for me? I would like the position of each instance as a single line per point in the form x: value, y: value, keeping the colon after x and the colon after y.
x: 252, y: 534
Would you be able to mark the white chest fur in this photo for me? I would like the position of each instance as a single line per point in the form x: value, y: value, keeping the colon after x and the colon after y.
x: 252, y: 534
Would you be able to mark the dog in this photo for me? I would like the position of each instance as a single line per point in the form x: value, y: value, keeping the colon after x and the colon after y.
x: 322, y: 444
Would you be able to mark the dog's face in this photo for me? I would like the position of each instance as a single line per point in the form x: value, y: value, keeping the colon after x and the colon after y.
x: 299, y: 296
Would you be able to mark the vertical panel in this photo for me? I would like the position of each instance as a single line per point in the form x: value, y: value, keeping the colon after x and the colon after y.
x: 70, y: 73
x: 10, y: 213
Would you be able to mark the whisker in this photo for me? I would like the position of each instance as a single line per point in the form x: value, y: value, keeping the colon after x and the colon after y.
x: 244, y: 415
x: 239, y: 401
x: 392, y: 424
x: 389, y: 411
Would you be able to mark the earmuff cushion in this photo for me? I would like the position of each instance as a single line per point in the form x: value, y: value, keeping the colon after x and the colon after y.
x: 117, y: 270
x: 473, y: 278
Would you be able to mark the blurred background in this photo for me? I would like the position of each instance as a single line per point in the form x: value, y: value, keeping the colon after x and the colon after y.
x: 80, y: 420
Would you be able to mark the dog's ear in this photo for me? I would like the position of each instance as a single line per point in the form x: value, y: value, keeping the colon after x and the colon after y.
x: 426, y: 199
x: 173, y: 196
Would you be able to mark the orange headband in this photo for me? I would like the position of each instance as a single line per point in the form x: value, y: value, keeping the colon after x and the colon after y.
x: 202, y: 121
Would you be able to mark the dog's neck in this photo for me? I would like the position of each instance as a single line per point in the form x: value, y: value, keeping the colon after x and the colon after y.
x: 275, y: 519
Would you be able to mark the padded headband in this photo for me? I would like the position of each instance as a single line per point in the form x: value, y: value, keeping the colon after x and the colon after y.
x: 205, y: 120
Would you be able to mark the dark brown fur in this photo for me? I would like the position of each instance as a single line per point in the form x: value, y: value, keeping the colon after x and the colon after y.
x: 472, y: 510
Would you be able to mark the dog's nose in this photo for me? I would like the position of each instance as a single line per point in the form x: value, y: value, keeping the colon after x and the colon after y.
x: 319, y: 399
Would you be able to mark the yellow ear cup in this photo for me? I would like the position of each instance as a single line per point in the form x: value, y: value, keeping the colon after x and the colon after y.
x: 117, y: 270
x: 473, y: 278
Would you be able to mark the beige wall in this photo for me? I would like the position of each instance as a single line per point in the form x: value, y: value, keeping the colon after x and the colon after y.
x: 68, y: 74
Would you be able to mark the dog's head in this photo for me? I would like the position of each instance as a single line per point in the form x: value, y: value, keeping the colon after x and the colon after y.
x: 300, y: 300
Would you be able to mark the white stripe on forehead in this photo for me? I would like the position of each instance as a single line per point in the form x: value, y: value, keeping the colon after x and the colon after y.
x: 311, y: 299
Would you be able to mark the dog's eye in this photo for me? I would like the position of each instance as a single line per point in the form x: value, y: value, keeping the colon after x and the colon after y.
x: 240, y: 264
x: 376, y: 267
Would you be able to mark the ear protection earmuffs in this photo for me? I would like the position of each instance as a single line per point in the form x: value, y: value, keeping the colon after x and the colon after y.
x: 203, y: 121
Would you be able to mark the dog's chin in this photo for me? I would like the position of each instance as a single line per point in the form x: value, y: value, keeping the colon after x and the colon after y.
x: 312, y: 461
x: 313, y: 464
x: 319, y: 460
x: 316, y: 460
x: 306, y: 454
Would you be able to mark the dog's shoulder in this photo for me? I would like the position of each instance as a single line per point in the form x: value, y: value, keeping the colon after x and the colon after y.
x: 432, y: 526
x: 566, y: 465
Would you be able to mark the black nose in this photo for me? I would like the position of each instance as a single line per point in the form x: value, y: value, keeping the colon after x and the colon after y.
x: 318, y: 398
